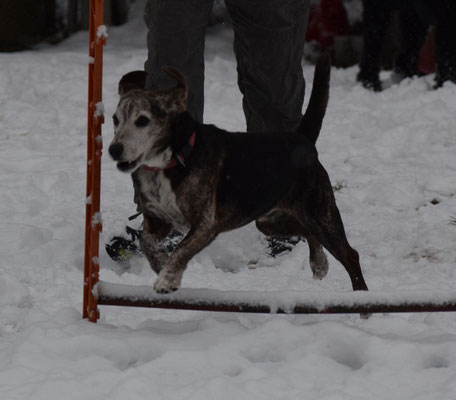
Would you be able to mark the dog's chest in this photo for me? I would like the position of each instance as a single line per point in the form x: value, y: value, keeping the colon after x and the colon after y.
x: 158, y: 198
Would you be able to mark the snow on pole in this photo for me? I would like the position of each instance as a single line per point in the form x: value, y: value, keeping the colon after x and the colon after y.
x: 102, y: 31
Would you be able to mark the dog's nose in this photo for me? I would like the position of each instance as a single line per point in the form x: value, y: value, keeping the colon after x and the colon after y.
x: 116, y: 150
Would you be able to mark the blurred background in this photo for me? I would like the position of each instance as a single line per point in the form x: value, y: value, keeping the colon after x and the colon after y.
x: 335, y: 25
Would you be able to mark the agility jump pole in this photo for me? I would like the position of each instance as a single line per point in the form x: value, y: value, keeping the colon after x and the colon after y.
x: 290, y: 302
x: 93, y: 227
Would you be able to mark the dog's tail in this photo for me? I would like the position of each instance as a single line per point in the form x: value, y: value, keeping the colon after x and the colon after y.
x: 313, y: 117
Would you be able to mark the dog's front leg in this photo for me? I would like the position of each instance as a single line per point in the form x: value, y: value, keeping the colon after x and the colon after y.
x: 154, y: 231
x: 169, y: 278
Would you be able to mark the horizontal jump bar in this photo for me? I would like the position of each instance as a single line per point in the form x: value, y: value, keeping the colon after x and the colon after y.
x: 276, y: 302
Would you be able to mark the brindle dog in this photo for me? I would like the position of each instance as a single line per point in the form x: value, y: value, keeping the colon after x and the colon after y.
x: 203, y: 180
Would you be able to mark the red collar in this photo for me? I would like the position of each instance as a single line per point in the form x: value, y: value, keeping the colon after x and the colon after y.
x: 178, y: 158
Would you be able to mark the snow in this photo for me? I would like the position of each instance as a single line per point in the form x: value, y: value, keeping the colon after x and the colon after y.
x: 97, y: 219
x: 99, y: 110
x: 391, y: 155
x: 102, y: 31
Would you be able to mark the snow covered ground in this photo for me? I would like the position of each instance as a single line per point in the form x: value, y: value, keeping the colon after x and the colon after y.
x: 390, y: 155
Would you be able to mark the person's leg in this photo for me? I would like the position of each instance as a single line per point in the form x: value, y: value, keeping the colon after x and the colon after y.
x: 445, y: 42
x: 376, y: 20
x: 413, y: 33
x: 269, y: 40
x: 176, y: 38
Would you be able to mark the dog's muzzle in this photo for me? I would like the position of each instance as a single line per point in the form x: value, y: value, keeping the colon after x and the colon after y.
x: 116, y: 151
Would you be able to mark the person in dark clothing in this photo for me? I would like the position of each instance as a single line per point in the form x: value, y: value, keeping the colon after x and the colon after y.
x: 415, y: 17
x: 269, y: 40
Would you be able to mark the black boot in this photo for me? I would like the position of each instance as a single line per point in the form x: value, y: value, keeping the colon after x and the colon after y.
x: 280, y: 244
x: 122, y: 248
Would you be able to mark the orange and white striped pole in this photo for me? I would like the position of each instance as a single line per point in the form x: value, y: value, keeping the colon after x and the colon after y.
x: 93, y: 225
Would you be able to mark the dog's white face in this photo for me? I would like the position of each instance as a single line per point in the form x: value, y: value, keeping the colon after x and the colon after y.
x: 142, y: 123
x: 140, y: 130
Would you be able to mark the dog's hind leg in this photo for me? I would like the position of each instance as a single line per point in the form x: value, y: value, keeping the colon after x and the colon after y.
x: 169, y: 278
x: 154, y: 231
x: 328, y: 230
x: 339, y: 247
x: 281, y: 224
x: 317, y: 258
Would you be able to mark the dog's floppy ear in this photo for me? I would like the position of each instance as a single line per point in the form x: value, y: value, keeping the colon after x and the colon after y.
x: 179, y: 92
x: 132, y: 80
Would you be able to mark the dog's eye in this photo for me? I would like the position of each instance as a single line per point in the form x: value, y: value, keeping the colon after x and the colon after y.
x: 115, y: 120
x: 142, y: 121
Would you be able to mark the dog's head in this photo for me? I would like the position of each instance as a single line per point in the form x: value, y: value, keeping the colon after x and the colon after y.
x: 142, y: 121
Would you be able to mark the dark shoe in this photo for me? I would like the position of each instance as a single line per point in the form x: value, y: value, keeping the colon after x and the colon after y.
x: 121, y: 248
x: 370, y: 81
x: 280, y: 244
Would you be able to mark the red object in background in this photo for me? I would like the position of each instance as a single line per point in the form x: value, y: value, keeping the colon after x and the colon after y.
x: 327, y: 19
x: 426, y: 63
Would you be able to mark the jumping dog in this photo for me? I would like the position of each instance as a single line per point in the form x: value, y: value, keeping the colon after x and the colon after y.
x: 202, y: 180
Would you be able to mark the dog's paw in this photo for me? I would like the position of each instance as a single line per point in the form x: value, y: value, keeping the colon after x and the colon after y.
x: 167, y: 283
x: 365, y: 315
x: 319, y: 265
x: 319, y: 274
